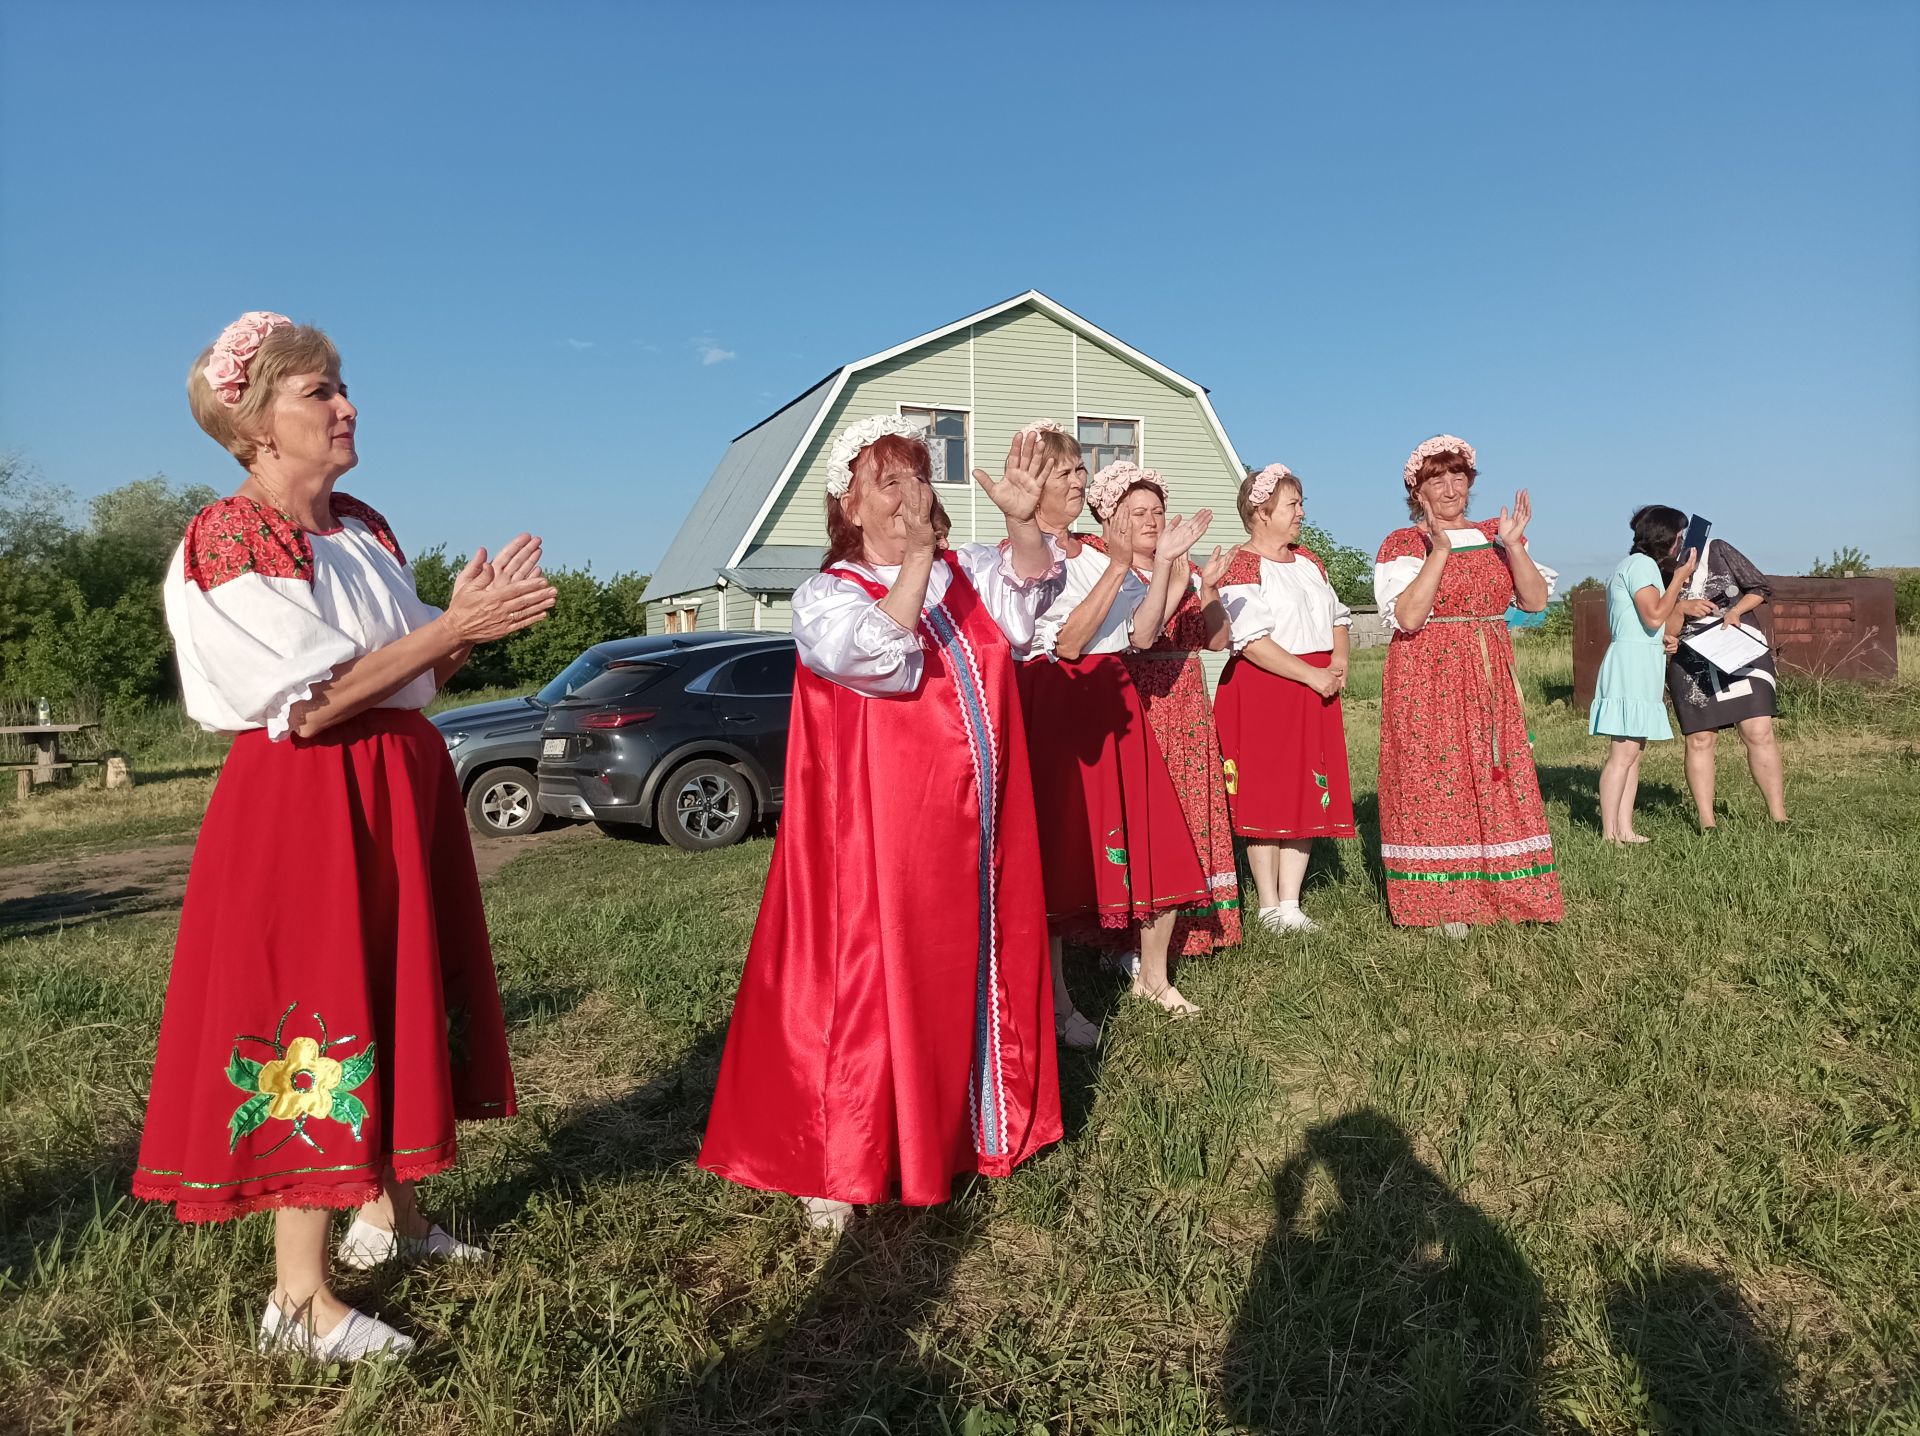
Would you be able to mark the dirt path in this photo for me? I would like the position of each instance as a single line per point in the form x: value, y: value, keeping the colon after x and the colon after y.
x: 37, y: 896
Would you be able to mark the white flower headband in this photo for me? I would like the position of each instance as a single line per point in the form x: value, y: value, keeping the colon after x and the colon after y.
x: 1110, y: 485
x: 233, y: 351
x: 1045, y: 426
x: 853, y: 439
x: 1266, y: 481
x: 1438, y: 444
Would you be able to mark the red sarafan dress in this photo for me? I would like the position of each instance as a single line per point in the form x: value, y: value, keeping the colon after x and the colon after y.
x: 1114, y: 841
x: 332, y: 1006
x: 1463, y: 830
x: 894, y: 1026
x: 1173, y: 691
x: 1285, y: 745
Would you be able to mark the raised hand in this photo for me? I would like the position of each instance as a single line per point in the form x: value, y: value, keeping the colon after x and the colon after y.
x: 1180, y: 535
x: 1215, y: 568
x: 477, y: 574
x: 1437, y: 539
x: 1513, y: 526
x: 1117, y: 529
x: 482, y: 612
x: 518, y: 558
x: 1016, y: 493
x: 1685, y: 570
x: 916, y: 518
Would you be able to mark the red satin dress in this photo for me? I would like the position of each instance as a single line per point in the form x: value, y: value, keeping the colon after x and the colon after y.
x: 894, y: 1026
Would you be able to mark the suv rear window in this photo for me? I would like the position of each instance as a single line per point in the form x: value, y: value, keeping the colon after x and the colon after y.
x: 616, y: 681
x: 758, y: 675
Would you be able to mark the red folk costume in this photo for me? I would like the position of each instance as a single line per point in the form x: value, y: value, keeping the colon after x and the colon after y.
x: 1173, y: 691
x: 1114, y: 842
x: 1285, y: 745
x: 332, y: 1005
x: 1463, y: 830
x: 894, y: 1026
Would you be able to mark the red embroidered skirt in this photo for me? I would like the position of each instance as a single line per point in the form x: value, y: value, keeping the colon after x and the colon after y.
x: 1286, y: 754
x: 332, y: 1007
x: 1114, y: 845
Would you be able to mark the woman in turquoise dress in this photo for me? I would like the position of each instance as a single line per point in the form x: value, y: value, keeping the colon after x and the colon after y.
x: 1628, y: 699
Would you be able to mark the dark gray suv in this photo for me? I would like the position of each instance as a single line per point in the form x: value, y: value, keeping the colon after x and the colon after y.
x: 495, y: 747
x: 686, y: 738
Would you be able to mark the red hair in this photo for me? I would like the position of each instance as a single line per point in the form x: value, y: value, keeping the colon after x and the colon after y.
x: 886, y: 454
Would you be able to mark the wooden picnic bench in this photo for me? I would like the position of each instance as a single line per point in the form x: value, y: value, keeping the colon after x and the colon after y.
x: 44, y: 739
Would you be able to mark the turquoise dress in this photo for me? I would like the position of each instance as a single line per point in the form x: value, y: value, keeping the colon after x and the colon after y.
x: 1629, y: 697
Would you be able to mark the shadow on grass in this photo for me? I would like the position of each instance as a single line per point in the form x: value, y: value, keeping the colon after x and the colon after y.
x: 1382, y: 1301
x: 1705, y: 1364
x: 43, y: 913
x: 846, y: 1360
x: 42, y: 1208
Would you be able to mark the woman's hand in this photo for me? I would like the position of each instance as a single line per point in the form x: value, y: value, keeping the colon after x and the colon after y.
x: 1017, y: 491
x: 518, y: 558
x: 1685, y: 570
x: 1701, y: 608
x: 1326, y: 682
x: 486, y: 606
x: 1181, y: 535
x: 1437, y: 540
x: 1117, y: 530
x: 1215, y: 568
x: 1338, y: 668
x: 1513, y: 526
x: 916, y: 519
x: 1670, y: 642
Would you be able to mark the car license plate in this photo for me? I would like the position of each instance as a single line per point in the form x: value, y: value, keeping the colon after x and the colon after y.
x: 554, y: 748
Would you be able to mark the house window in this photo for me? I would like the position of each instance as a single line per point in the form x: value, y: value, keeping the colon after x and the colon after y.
x: 1102, y: 441
x: 680, y: 620
x: 950, y: 430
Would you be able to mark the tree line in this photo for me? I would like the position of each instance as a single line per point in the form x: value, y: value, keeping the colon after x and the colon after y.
x: 82, y: 622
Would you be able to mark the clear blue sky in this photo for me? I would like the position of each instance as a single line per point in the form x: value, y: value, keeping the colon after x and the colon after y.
x: 1634, y: 252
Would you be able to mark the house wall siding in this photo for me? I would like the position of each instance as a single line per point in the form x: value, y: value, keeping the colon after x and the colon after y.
x: 1007, y: 371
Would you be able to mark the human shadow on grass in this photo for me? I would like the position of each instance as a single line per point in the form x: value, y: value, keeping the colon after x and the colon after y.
x: 44, y: 1209
x: 846, y: 1360
x: 43, y: 913
x: 1578, y: 786
x: 1706, y: 1365
x: 1382, y: 1301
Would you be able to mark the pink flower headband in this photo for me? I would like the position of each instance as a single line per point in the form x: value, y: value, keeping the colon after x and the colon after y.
x: 233, y: 351
x: 1110, y: 485
x: 1438, y: 444
x: 1045, y: 426
x: 1266, y: 481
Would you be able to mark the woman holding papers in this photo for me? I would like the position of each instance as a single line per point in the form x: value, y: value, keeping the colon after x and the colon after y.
x: 1463, y: 831
x: 1707, y: 698
x: 1626, y: 698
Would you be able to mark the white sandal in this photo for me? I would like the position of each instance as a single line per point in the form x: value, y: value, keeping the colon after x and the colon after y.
x: 357, y: 1337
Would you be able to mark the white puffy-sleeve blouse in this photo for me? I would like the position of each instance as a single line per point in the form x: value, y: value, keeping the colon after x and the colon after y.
x: 843, y: 633
x: 262, y: 610
x: 1291, y: 603
x: 1115, y: 633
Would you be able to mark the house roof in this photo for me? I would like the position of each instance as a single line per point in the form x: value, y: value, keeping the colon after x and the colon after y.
x: 753, y: 473
x: 719, y: 523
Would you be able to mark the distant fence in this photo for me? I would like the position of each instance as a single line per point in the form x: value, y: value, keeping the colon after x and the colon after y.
x: 1820, y: 627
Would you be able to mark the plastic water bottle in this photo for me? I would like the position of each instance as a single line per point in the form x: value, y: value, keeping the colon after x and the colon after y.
x: 42, y: 711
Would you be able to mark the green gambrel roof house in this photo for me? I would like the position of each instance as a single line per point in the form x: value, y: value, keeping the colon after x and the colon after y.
x: 759, y: 529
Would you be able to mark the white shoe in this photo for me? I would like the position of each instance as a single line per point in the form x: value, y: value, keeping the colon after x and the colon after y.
x: 365, y: 1246
x: 1127, y: 964
x: 1454, y: 930
x: 1076, y: 1031
x: 357, y: 1337
x: 827, y: 1215
x: 1275, y: 919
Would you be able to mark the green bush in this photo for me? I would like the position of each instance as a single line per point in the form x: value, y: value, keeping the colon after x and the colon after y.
x: 1906, y: 602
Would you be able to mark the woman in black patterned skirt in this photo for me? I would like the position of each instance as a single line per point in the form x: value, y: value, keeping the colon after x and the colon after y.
x: 1706, y: 700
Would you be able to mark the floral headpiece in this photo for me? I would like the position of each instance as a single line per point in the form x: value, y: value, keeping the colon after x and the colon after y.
x: 233, y: 351
x: 1110, y: 485
x: 1044, y: 426
x: 853, y: 439
x: 1266, y: 481
x: 1438, y: 444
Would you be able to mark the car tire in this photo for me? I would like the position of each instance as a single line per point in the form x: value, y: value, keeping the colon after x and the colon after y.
x: 504, y: 802
x: 704, y: 805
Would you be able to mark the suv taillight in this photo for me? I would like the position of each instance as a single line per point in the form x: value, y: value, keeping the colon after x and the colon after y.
x: 619, y: 720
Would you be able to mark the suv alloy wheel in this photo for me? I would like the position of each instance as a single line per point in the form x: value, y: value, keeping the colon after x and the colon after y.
x: 704, y: 805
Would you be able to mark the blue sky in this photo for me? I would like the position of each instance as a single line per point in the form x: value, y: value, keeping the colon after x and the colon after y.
x: 1634, y: 252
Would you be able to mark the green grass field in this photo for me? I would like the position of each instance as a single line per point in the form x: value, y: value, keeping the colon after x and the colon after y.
x: 1655, y: 1170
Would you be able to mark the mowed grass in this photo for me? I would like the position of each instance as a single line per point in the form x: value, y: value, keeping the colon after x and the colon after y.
x: 1656, y: 1169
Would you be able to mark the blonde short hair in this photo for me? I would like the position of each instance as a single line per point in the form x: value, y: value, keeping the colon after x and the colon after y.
x: 1062, y: 447
x: 291, y: 349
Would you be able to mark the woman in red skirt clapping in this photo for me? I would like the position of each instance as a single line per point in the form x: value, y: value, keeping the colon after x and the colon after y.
x: 332, y: 1007
x: 1278, y: 705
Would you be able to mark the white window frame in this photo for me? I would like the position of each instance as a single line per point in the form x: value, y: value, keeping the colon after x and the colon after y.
x: 965, y: 475
x: 1139, y: 432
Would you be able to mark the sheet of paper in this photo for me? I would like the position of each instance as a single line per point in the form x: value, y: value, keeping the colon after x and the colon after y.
x: 1728, y: 649
x: 1468, y: 538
